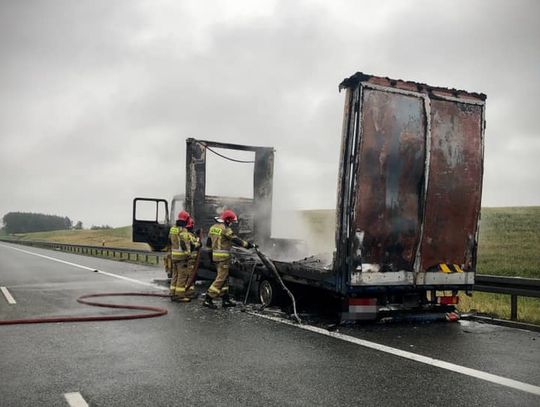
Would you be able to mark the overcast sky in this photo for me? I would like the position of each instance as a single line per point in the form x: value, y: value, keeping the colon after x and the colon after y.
x: 98, y: 97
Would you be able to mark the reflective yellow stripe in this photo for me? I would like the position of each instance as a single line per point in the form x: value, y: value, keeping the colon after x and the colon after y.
x: 174, y: 230
x: 176, y: 254
x: 458, y: 269
x: 445, y: 268
x: 180, y: 289
x: 214, y: 289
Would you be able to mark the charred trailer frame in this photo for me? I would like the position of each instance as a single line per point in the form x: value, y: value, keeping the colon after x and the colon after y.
x: 409, y: 187
x: 254, y: 214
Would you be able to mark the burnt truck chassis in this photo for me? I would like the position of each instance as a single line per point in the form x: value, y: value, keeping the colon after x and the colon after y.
x: 311, y: 281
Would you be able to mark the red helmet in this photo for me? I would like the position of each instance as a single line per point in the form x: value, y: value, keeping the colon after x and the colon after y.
x: 189, y: 223
x: 228, y: 216
x: 183, y: 216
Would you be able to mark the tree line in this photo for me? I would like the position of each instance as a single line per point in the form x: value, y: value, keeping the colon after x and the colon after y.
x: 25, y: 222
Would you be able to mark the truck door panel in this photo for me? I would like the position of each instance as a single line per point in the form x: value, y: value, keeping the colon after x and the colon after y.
x: 150, y: 222
x: 389, y: 178
x: 454, y: 186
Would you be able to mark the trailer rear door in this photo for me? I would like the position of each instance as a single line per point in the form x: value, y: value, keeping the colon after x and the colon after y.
x: 410, y: 187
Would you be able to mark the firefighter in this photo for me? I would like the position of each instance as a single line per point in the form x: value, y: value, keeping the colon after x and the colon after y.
x: 221, y: 238
x: 195, y: 245
x: 178, y: 236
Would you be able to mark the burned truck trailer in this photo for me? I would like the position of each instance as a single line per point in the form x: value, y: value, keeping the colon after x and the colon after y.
x: 410, y: 183
x: 408, y: 201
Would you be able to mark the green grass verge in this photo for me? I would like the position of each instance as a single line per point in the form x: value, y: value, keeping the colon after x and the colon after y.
x: 117, y: 237
x: 509, y: 243
x: 498, y: 305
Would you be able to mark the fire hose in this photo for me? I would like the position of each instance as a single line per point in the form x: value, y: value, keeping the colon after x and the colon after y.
x: 271, y: 266
x: 153, y: 311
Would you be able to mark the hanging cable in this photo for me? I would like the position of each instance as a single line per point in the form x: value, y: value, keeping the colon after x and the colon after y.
x: 224, y: 156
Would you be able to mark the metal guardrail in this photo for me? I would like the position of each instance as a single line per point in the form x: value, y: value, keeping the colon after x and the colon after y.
x: 115, y: 253
x: 513, y: 286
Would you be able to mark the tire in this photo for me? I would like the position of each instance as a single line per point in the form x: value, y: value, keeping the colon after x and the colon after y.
x: 270, y: 293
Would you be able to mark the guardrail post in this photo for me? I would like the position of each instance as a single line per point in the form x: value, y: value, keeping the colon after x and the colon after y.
x: 513, y: 307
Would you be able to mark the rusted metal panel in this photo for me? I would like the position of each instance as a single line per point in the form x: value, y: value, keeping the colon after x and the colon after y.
x: 454, y: 187
x: 389, y: 178
x: 410, y: 178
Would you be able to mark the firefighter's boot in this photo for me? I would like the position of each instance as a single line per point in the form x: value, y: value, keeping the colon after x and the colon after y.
x: 209, y: 303
x: 226, y: 302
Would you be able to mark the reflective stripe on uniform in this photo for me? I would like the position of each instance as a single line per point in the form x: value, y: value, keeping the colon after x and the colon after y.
x: 221, y: 253
x: 214, y: 289
x: 177, y: 254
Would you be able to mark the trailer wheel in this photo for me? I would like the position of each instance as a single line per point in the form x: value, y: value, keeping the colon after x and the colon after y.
x: 269, y: 293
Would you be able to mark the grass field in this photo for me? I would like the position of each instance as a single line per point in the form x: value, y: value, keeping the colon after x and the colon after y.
x: 509, y: 245
x: 117, y: 237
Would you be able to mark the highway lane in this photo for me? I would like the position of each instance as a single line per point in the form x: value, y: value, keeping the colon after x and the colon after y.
x: 198, y: 356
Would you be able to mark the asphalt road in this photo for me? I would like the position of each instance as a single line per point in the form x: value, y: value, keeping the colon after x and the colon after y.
x: 196, y: 356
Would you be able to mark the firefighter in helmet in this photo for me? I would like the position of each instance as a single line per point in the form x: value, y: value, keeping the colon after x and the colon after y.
x: 180, y: 252
x: 195, y: 245
x: 221, y: 238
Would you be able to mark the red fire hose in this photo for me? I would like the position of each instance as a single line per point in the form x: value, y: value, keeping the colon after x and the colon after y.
x: 154, y: 311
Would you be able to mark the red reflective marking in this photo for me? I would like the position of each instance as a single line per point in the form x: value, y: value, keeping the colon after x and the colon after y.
x: 362, y: 301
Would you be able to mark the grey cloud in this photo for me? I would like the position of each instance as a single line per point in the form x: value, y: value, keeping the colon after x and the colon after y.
x: 98, y: 97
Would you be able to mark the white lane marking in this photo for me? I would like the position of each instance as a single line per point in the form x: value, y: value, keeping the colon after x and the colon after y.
x: 529, y: 388
x: 85, y: 267
x: 8, y: 295
x: 75, y: 400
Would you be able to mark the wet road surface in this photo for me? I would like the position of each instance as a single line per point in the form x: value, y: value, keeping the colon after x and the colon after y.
x: 196, y: 356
